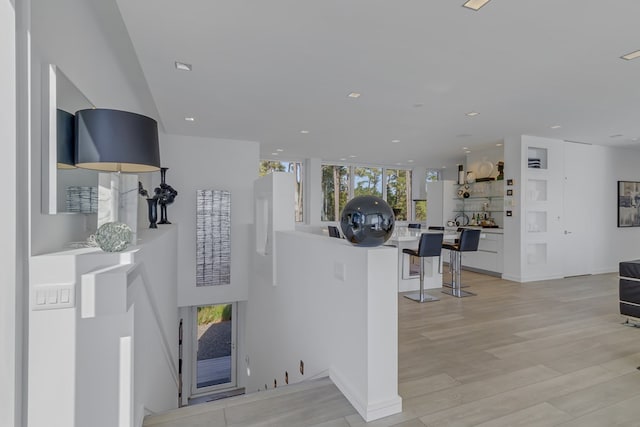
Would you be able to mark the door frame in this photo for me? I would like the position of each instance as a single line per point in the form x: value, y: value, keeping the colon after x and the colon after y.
x: 194, y: 390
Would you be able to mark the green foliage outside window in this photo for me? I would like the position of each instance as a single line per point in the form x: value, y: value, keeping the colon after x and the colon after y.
x: 335, y: 191
x: 367, y: 181
x: 398, y: 188
x: 214, y: 314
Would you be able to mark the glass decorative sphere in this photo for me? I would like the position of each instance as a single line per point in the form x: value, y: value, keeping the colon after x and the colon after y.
x: 113, y: 236
x: 367, y: 221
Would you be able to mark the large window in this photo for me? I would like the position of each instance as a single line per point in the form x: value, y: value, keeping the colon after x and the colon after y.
x: 340, y: 183
x: 367, y: 181
x: 420, y: 207
x: 335, y: 191
x: 398, y: 192
x: 268, y: 166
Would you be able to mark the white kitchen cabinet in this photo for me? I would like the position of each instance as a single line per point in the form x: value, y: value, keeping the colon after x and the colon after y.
x: 440, y: 202
x: 489, y: 256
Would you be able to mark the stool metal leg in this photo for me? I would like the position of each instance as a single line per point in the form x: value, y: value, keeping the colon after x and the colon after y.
x: 455, y: 290
x: 421, y: 296
x: 452, y: 254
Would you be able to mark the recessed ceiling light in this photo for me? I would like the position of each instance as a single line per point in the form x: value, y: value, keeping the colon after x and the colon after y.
x: 395, y: 141
x: 354, y: 95
x: 467, y: 151
x: 353, y: 156
x: 465, y: 148
x: 343, y: 159
x: 634, y: 139
x: 304, y: 131
x: 475, y: 4
x: 499, y: 144
x: 279, y: 150
x: 618, y: 135
x: 444, y: 167
x: 398, y: 164
x: 632, y: 55
x: 183, y: 66
x: 409, y: 161
x: 274, y: 154
x: 190, y: 119
x: 556, y: 127
x: 472, y: 113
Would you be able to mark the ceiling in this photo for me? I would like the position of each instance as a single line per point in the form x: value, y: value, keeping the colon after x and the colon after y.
x: 266, y: 70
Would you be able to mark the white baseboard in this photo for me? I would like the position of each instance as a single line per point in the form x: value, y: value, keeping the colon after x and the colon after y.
x: 369, y: 411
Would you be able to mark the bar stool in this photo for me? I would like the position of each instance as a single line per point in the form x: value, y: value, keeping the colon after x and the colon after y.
x: 468, y: 242
x: 430, y: 246
x: 456, y: 241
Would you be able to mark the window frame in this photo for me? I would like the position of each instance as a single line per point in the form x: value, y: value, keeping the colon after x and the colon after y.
x: 351, y: 167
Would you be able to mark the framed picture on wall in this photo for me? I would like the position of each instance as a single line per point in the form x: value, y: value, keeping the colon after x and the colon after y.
x: 628, y: 204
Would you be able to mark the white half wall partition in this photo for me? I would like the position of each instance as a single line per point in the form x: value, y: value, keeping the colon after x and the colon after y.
x: 103, y: 334
x: 332, y: 310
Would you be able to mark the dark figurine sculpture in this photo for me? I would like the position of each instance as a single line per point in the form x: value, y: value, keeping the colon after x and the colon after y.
x: 165, y: 194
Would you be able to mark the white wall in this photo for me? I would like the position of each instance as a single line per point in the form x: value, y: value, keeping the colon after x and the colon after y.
x: 512, y: 225
x: 321, y: 301
x: 610, y: 243
x: 216, y: 164
x: 11, y: 325
x: 71, y: 34
x: 345, y: 328
x: 75, y: 365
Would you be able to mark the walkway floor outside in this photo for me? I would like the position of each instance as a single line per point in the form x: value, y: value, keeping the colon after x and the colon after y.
x: 214, y: 354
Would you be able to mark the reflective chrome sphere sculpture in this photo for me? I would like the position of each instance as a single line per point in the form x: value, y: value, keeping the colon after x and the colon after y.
x: 367, y: 221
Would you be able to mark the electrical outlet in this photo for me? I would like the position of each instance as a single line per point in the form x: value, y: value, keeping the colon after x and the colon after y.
x: 339, y: 271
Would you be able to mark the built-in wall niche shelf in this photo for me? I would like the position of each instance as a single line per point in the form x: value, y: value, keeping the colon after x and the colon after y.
x: 537, y: 190
x: 536, y: 222
x: 536, y: 253
x: 485, y: 201
x: 536, y: 158
x: 479, y: 205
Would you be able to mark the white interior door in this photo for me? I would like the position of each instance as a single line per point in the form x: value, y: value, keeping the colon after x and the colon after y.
x: 578, y: 184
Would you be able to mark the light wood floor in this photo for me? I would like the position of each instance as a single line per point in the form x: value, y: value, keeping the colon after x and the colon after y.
x: 536, y: 354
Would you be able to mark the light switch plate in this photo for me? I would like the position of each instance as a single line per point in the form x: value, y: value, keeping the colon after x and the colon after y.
x: 53, y: 296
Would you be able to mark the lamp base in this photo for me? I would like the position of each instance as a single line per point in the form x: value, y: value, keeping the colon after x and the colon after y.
x: 118, y: 199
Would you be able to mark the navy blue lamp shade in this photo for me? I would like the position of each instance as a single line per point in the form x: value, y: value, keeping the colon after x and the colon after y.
x: 116, y: 141
x: 65, y: 139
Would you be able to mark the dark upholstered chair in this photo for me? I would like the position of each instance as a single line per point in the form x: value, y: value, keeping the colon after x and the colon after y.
x: 413, y: 225
x: 436, y: 227
x: 333, y: 231
x: 430, y: 246
x: 468, y: 242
